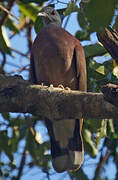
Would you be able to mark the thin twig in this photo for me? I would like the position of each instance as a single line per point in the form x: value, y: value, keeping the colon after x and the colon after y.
x: 12, y: 64
x: 29, y: 36
x: 67, y: 20
x: 19, y: 52
x: 22, y: 163
x: 48, y: 175
x: 4, y: 59
x: 101, y: 161
x: 5, y: 14
x: 3, y: 63
x: 19, y: 70
x: 101, y: 164
x: 8, y: 12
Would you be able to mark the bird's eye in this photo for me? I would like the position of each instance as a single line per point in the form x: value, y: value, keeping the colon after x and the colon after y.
x: 53, y: 12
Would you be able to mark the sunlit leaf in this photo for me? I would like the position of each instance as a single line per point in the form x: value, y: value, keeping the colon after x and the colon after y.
x: 38, y: 138
x: 29, y: 10
x: 101, y: 70
x: 115, y: 68
x: 115, y: 71
x: 101, y: 132
x: 91, y: 149
x: 4, y: 41
x: 110, y: 127
x: 16, y: 131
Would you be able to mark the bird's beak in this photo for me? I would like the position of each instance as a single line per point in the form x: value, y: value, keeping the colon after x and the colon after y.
x: 42, y: 14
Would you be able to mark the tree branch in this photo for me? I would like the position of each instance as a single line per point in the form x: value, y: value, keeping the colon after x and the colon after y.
x: 18, y: 95
x: 110, y: 92
x: 6, y: 12
x: 22, y: 163
x: 109, y: 39
x: 19, y: 52
x: 102, y: 161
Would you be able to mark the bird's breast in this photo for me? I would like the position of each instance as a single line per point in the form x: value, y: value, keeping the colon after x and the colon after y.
x: 54, y: 58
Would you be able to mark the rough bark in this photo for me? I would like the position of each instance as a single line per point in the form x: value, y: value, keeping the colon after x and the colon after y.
x: 109, y: 39
x: 18, y: 95
x: 110, y: 92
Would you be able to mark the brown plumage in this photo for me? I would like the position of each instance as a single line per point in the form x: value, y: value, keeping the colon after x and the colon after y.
x: 57, y: 58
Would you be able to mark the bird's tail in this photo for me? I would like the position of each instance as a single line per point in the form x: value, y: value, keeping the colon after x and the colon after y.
x: 66, y: 144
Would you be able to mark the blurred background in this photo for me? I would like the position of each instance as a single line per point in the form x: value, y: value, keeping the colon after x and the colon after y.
x: 24, y: 140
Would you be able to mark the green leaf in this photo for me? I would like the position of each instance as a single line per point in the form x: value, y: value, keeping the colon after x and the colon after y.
x: 38, y: 24
x: 29, y: 10
x: 110, y: 127
x: 101, y: 132
x: 90, y: 147
x: 82, y: 20
x: 82, y: 35
x: 6, y: 115
x: 4, y: 145
x: 100, y: 13
x: 115, y: 71
x: 101, y: 70
x: 94, y: 50
x: 13, y: 143
x: 31, y: 144
x: 3, y: 140
x: 79, y: 175
x: 71, y: 7
x: 93, y: 125
x: 12, y: 25
x: 4, y: 41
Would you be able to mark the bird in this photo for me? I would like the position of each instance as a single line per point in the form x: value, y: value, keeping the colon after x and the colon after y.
x: 58, y: 58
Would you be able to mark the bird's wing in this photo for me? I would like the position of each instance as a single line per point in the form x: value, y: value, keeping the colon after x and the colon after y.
x: 80, y: 67
x: 32, y: 70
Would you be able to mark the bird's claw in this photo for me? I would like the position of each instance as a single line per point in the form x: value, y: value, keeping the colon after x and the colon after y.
x: 61, y: 86
x: 51, y: 86
x: 67, y: 88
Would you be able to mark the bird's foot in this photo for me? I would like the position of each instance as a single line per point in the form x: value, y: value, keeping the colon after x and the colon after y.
x: 67, y: 88
x: 42, y: 84
x: 61, y: 86
x: 51, y: 86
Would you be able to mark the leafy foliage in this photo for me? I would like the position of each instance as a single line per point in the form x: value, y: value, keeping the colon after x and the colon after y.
x: 20, y: 129
x: 102, y: 15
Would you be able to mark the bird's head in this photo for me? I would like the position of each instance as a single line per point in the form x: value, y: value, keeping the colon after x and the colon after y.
x: 50, y: 15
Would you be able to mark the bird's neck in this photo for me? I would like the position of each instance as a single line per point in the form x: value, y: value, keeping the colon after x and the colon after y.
x: 47, y: 22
